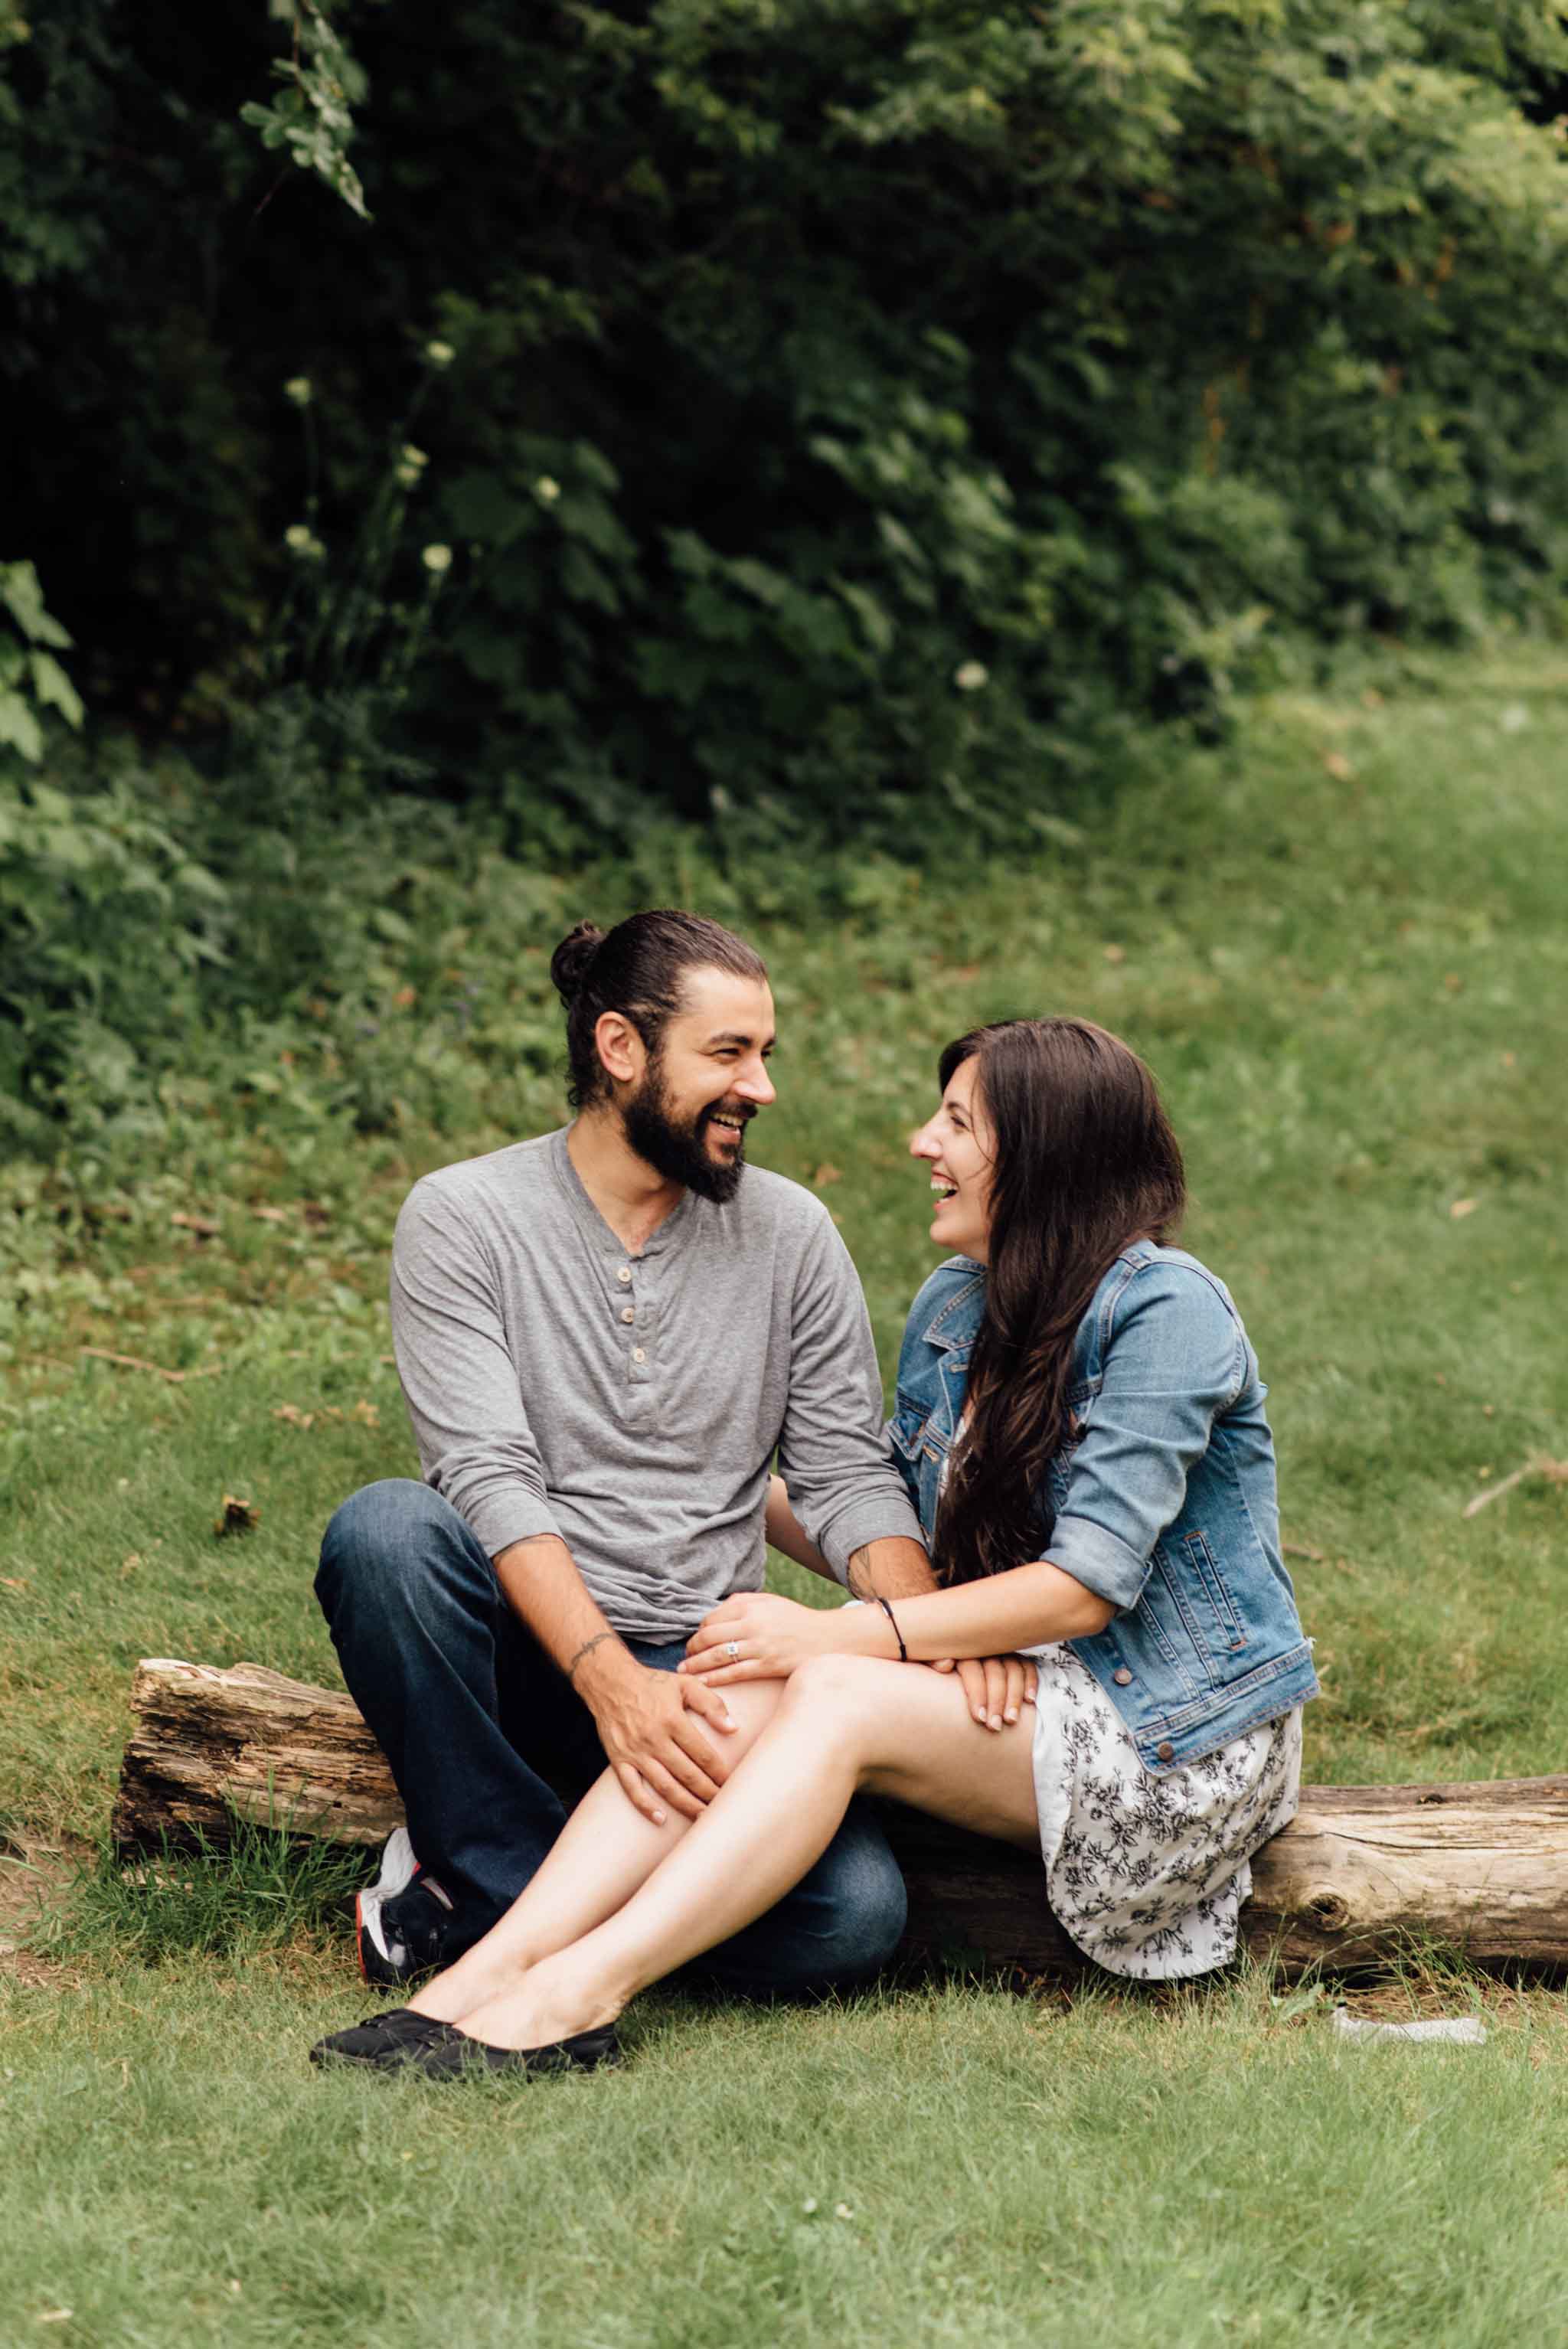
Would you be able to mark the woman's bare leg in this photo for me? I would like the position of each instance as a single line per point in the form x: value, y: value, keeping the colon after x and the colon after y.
x: 845, y: 1723
x: 606, y: 1849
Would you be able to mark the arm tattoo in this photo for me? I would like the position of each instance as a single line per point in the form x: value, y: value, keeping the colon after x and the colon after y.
x: 588, y: 1645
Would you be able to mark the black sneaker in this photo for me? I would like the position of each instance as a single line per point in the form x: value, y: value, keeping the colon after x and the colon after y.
x: 400, y: 1921
x: 458, y: 2057
x: 384, y: 2041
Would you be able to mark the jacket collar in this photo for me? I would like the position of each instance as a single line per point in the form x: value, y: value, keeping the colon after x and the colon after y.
x: 957, y: 1319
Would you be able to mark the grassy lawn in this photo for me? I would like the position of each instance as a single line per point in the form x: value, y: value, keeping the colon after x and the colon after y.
x: 1340, y: 941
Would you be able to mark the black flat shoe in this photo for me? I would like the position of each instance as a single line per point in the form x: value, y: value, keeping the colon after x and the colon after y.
x: 458, y: 2057
x: 384, y: 2040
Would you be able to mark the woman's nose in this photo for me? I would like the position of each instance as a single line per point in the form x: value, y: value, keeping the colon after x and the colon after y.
x: 922, y: 1142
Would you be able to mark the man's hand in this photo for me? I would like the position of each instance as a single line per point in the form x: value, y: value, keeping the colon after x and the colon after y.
x: 754, y: 1636
x: 648, y: 1724
x: 995, y: 1687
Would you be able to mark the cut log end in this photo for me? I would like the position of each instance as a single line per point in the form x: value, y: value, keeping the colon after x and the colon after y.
x: 1363, y: 1876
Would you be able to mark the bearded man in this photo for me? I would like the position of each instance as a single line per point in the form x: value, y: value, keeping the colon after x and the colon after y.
x: 604, y: 1335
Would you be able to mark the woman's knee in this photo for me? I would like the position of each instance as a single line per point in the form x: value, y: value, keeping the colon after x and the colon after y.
x: 844, y: 1698
x: 834, y: 1683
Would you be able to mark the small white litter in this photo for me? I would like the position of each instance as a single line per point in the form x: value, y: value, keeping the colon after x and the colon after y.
x: 1457, y: 2030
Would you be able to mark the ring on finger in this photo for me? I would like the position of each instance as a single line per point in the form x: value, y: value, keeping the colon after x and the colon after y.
x: 732, y: 1648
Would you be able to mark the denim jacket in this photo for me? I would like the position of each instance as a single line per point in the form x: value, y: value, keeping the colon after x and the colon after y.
x: 1163, y: 1502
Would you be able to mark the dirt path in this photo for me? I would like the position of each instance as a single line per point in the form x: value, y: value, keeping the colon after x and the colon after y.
x: 33, y: 1874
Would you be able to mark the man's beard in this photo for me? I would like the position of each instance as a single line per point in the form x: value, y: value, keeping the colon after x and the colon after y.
x: 676, y: 1150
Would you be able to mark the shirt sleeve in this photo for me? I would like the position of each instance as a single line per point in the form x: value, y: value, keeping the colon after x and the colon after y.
x: 459, y: 1382
x: 1176, y: 1358
x: 842, y: 1484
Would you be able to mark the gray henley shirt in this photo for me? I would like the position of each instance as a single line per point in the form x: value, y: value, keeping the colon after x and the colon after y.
x: 559, y: 1385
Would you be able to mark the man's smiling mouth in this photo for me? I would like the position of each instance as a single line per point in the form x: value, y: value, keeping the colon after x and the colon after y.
x: 732, y: 1121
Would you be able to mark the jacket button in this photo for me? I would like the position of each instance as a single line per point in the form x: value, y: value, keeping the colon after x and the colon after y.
x: 1121, y: 1677
x: 1165, y: 1750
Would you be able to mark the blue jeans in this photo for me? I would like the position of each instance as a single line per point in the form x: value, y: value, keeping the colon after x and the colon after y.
x: 485, y: 1736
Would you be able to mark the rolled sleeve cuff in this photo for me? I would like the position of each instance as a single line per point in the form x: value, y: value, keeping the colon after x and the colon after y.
x: 1098, y: 1560
x: 889, y: 1520
x: 502, y: 1518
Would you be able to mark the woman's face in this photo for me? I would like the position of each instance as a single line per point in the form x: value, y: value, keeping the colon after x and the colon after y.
x: 958, y: 1146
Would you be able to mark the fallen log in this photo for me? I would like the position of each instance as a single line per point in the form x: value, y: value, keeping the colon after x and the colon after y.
x: 1363, y: 1876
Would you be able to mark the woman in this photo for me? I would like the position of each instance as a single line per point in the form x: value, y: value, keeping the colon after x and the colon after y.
x: 1080, y: 1423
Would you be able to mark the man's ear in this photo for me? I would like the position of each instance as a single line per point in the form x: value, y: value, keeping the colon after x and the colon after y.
x: 621, y: 1049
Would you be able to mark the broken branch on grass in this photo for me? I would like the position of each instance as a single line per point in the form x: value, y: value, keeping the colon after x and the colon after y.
x: 134, y: 1362
x: 1554, y: 1471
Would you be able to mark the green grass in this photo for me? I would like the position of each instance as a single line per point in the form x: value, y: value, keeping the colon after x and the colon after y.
x: 1340, y: 941
x: 926, y: 2165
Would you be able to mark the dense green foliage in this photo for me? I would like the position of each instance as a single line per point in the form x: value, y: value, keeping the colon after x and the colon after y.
x: 815, y: 424
x: 810, y: 361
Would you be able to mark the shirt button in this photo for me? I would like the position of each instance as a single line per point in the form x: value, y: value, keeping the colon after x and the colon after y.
x: 638, y: 1354
x: 623, y: 1274
x: 1121, y: 1677
x: 628, y: 1312
x: 1165, y: 1751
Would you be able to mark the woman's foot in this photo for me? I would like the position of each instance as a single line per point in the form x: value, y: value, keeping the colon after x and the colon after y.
x: 477, y: 1978
x: 555, y: 2002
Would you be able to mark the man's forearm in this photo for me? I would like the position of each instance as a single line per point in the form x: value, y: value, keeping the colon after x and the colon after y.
x: 540, y: 1580
x: 894, y: 1567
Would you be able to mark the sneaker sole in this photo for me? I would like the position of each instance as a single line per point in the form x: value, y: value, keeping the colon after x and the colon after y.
x: 398, y: 1870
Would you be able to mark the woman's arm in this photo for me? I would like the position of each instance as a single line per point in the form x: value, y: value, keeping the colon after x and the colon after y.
x: 786, y: 1532
x: 1025, y: 1608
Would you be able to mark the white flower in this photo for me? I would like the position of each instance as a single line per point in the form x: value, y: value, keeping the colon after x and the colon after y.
x: 808, y: 2208
x: 301, y: 540
x: 843, y: 2210
x: 439, y: 354
x: 297, y: 389
x: 412, y: 456
x: 436, y: 559
x: 970, y: 675
x: 546, y: 490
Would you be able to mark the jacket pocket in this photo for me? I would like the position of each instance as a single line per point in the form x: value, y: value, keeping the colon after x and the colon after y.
x: 1198, y: 1590
x: 906, y: 1429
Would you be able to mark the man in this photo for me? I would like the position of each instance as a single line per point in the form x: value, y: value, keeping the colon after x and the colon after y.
x: 603, y: 1335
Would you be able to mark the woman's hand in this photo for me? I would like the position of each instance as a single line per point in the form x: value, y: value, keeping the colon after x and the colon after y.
x: 995, y: 1687
x: 754, y: 1636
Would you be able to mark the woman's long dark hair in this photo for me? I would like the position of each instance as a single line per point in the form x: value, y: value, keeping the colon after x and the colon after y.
x: 1084, y: 1161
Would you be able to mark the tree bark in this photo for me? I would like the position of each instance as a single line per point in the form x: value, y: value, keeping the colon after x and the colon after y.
x: 1363, y: 1876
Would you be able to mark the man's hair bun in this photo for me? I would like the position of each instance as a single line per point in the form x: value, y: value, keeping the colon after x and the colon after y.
x: 570, y: 962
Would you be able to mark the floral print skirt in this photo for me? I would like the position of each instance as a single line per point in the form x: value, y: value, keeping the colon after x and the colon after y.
x: 1147, y: 1875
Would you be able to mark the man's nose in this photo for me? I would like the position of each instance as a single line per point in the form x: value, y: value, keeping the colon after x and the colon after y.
x: 755, y: 1084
